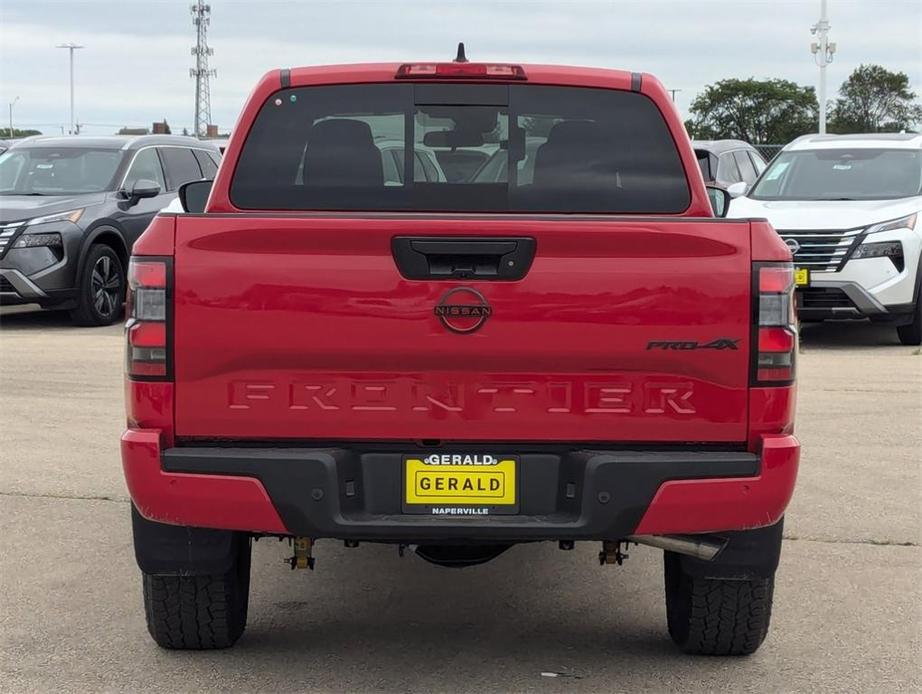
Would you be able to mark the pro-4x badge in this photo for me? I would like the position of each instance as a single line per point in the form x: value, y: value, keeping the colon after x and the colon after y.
x: 719, y: 343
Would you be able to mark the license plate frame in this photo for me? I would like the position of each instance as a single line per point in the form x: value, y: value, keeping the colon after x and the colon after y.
x: 801, y: 277
x: 471, y: 494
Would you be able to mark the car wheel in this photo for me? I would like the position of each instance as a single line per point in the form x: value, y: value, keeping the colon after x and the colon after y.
x: 102, y: 288
x: 200, y: 612
x: 911, y: 334
x: 713, y: 616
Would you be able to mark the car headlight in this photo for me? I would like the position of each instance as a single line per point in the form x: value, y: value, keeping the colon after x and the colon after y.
x: 70, y: 216
x: 36, y: 240
x: 907, y: 222
x: 882, y: 249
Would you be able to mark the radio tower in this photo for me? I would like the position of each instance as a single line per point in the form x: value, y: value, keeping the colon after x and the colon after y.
x: 201, y: 18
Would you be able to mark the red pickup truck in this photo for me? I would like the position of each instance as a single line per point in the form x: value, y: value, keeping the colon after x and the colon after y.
x: 355, y: 334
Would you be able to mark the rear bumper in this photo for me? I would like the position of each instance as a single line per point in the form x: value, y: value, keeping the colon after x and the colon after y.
x: 355, y: 493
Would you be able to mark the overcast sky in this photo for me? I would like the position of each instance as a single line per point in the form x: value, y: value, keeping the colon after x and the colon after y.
x: 135, y: 66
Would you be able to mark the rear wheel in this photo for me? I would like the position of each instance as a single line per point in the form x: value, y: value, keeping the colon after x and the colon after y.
x: 102, y: 288
x: 712, y: 616
x: 911, y: 334
x: 200, y: 612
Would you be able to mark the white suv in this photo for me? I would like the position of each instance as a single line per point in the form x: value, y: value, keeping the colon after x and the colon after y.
x: 850, y: 208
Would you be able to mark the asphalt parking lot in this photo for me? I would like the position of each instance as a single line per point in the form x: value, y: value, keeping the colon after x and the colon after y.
x: 848, y: 606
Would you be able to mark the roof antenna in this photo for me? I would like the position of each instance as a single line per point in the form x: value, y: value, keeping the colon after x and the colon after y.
x: 461, y: 58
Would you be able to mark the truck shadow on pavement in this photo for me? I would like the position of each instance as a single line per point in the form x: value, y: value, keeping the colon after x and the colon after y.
x: 847, y: 334
x: 533, y: 610
x: 33, y: 318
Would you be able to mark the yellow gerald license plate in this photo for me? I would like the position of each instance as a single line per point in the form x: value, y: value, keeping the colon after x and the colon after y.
x: 460, y: 484
x: 801, y: 277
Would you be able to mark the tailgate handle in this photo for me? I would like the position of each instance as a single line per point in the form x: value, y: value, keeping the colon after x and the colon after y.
x: 479, y: 258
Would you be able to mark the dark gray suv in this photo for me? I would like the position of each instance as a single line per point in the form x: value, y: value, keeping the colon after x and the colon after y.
x: 72, y: 207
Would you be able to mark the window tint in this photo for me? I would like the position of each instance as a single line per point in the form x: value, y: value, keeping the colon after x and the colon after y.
x: 419, y: 173
x: 842, y: 174
x: 758, y: 162
x: 207, y: 164
x: 181, y: 166
x: 727, y: 170
x: 704, y: 163
x: 432, y: 173
x: 146, y: 165
x: 564, y: 149
x: 747, y: 170
x: 393, y: 175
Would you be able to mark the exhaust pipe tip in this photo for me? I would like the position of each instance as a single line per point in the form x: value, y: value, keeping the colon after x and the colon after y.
x: 704, y: 547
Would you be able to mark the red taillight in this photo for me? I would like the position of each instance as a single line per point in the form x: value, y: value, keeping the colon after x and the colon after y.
x: 775, y: 346
x: 147, y: 329
x: 460, y: 71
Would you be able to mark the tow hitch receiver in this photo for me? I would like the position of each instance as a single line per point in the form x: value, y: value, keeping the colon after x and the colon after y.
x: 611, y: 553
x: 302, y: 558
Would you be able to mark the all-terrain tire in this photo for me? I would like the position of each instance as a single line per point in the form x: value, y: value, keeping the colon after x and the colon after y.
x: 911, y: 334
x: 199, y: 612
x: 709, y: 616
x: 101, y: 292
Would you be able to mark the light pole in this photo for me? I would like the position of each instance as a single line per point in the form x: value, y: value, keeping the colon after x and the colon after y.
x: 823, y: 51
x: 71, y: 47
x: 12, y: 104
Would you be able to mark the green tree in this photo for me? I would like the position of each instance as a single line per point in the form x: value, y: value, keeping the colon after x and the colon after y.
x: 874, y: 99
x: 763, y: 111
x: 17, y: 133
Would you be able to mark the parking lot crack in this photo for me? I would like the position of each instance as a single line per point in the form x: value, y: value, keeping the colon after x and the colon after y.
x: 840, y: 541
x: 77, y: 497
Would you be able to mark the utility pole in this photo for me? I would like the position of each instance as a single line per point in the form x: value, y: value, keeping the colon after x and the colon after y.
x: 12, y: 104
x: 201, y: 18
x: 71, y: 47
x: 672, y: 92
x: 823, y: 51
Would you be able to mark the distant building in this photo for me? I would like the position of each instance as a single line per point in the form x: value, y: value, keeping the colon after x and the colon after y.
x: 161, y: 128
x: 133, y: 131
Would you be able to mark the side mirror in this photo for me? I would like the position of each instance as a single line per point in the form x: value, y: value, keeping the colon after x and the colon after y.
x: 144, y: 188
x: 720, y: 200
x: 737, y: 189
x: 194, y: 195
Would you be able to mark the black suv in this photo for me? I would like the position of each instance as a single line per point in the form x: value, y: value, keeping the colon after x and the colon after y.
x: 72, y: 207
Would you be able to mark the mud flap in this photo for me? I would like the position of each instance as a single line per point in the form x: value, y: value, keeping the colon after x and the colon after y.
x: 174, y: 550
x: 748, y: 554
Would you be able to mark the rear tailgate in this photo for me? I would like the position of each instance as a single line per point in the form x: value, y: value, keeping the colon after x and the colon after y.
x: 302, y: 327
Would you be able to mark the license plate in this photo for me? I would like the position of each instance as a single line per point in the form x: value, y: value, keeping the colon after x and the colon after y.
x: 801, y: 277
x: 459, y: 484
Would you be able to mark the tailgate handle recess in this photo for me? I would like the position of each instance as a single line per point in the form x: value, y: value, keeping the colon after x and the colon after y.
x: 454, y: 258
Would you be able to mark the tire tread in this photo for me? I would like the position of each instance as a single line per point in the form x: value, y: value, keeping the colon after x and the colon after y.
x: 198, y: 612
x: 710, y: 616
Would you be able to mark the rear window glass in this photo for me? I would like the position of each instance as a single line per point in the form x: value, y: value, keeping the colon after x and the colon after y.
x: 490, y: 148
